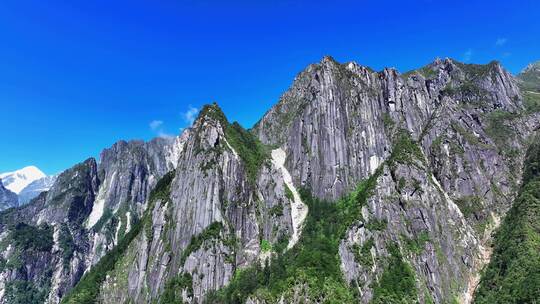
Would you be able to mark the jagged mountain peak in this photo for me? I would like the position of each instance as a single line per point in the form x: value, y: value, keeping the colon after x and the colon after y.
x: 530, y: 77
x: 68, y: 176
x: 330, y: 74
x: 428, y: 179
x: 479, y: 70
x: 447, y: 64
x: 532, y: 67
x: 457, y: 70
x: 211, y: 112
x: 329, y: 64
x: 212, y: 123
x: 328, y: 59
x: 17, y: 180
x: 133, y: 147
x: 72, y: 195
x: 336, y: 66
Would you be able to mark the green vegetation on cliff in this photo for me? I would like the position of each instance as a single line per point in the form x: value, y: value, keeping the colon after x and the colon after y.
x: 397, y: 283
x: 531, y: 100
x: 87, y: 290
x: 513, y: 274
x: 530, y: 78
x: 313, y: 262
x: 173, y: 288
x: 26, y: 237
x: 27, y: 243
x: 209, y: 233
x: 24, y: 292
x: 252, y: 152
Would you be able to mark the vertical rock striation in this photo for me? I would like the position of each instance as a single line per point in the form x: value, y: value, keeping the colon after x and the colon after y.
x: 178, y: 219
x: 212, y: 221
x: 89, y: 208
x: 339, y: 123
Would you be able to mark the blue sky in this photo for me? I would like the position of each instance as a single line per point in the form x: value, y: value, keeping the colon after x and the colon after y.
x: 76, y: 76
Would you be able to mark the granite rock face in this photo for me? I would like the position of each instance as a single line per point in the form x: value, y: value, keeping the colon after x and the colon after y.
x: 211, y: 223
x: 33, y: 253
x: 445, y: 144
x: 86, y: 211
x: 127, y: 171
x: 339, y: 123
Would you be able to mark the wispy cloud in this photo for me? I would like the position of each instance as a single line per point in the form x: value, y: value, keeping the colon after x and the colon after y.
x: 190, y: 115
x: 467, y: 56
x: 155, y: 124
x: 501, y: 41
x: 157, y: 127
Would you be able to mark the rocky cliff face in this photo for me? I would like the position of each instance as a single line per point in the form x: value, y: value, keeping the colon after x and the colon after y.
x: 212, y: 219
x: 8, y: 199
x: 358, y: 186
x: 514, y: 269
x: 35, y: 188
x: 470, y: 125
x: 43, y: 242
x: 87, y: 210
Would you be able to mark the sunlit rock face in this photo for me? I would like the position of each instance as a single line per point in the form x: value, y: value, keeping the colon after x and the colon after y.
x: 87, y: 210
x: 444, y: 144
x: 339, y: 123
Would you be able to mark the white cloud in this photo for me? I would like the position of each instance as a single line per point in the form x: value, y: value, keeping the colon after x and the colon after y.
x: 157, y: 127
x: 190, y: 115
x: 155, y: 124
x: 467, y: 56
x: 501, y: 41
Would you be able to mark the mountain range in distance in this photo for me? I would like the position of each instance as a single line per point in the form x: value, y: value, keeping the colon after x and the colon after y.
x: 19, y: 187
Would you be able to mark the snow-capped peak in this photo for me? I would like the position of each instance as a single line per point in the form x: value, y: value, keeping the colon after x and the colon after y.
x: 18, y: 180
